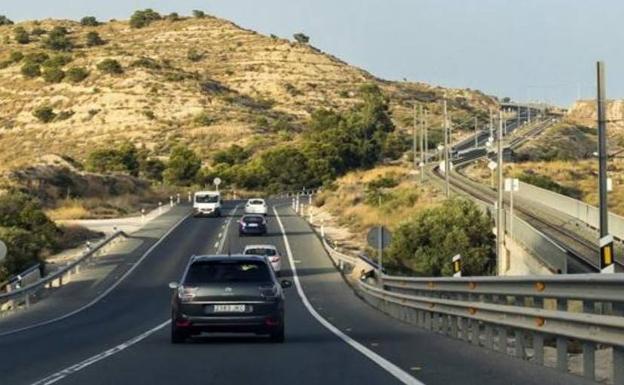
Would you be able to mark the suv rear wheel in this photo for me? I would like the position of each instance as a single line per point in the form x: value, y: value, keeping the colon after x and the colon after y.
x: 278, y: 336
x: 177, y: 336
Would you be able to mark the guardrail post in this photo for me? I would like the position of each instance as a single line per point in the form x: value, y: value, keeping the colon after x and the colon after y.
x: 538, y: 348
x: 562, y: 354
x: 475, y: 332
x: 618, y: 365
x: 428, y: 317
x: 488, y: 336
x: 519, y: 345
x: 27, y: 301
x: 454, y: 326
x: 589, y: 360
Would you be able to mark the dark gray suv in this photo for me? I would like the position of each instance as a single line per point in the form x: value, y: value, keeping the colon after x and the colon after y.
x: 228, y: 294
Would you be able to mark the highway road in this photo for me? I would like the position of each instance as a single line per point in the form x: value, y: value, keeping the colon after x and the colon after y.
x: 332, y: 337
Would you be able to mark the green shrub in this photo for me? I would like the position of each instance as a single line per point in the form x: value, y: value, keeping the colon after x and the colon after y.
x: 64, y: 115
x: 198, y: 14
x: 143, y: 18
x: 125, y: 159
x: 89, y: 21
x: 110, y: 66
x: 53, y: 74
x: 173, y: 16
x: 146, y: 62
x: 58, y: 40
x: 203, y: 119
x: 36, y: 57
x: 38, y: 31
x: 21, y: 36
x: 425, y: 244
x: 57, y: 61
x: 31, y: 70
x: 149, y: 114
x: 233, y: 155
x: 93, y: 39
x: 44, y: 114
x: 16, y: 57
x: 194, y: 55
x: 547, y: 183
x: 76, y: 74
x: 5, y: 20
x: 183, y: 166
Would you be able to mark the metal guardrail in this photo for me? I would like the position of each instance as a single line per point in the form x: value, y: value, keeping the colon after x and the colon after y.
x: 23, y: 295
x: 569, y: 312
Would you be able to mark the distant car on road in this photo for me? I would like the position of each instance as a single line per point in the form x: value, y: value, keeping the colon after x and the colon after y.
x: 252, y: 224
x: 228, y: 294
x: 207, y: 203
x: 270, y: 252
x: 256, y: 206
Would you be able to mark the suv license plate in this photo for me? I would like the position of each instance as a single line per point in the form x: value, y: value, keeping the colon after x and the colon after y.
x: 229, y: 308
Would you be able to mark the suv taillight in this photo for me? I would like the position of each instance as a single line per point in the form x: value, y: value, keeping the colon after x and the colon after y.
x: 186, y: 294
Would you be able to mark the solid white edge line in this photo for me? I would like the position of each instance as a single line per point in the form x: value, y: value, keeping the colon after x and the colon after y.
x: 55, y: 377
x: 106, y: 292
x: 388, y: 366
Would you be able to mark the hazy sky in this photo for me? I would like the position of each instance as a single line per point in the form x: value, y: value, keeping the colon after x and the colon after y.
x: 526, y: 49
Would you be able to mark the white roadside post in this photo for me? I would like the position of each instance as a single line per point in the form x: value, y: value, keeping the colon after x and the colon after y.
x: 178, y: 196
x: 607, y: 265
x: 511, y: 185
x: 159, y: 208
x: 190, y: 199
x: 142, y: 215
x: 171, y: 201
x: 457, y: 266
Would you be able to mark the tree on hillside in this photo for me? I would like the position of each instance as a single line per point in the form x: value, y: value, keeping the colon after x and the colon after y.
x: 89, y: 21
x: 425, y: 244
x: 53, y: 74
x: 301, y: 38
x: 198, y: 14
x: 31, y: 70
x: 93, y: 39
x: 124, y: 158
x: 21, y: 36
x: 26, y: 230
x: 5, y: 20
x: 143, y: 18
x: 182, y: 167
x: 153, y: 169
x: 76, y: 74
x: 285, y: 168
x: 173, y: 16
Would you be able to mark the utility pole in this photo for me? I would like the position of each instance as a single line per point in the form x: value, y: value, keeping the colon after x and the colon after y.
x: 426, y: 138
x: 414, y: 135
x: 422, y: 145
x: 491, y: 126
x: 500, y: 209
x: 475, y: 135
x: 447, y: 168
x: 606, y: 241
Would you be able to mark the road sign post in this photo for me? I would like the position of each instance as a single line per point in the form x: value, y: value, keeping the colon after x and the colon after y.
x: 379, y: 238
x: 217, y: 182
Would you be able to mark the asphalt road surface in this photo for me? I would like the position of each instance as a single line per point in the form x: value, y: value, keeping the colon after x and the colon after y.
x: 332, y: 337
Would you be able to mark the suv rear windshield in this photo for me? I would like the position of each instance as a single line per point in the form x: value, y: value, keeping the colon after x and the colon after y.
x: 256, y: 202
x: 253, y: 219
x: 206, y: 198
x: 206, y: 272
x: 261, y: 251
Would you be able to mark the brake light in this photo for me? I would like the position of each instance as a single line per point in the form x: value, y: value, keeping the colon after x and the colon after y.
x: 186, y: 294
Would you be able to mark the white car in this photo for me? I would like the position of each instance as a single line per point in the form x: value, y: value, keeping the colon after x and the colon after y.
x: 207, y: 203
x: 256, y: 206
x: 268, y: 251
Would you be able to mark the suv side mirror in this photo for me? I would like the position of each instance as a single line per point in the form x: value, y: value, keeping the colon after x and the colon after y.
x: 285, y: 284
x: 173, y: 285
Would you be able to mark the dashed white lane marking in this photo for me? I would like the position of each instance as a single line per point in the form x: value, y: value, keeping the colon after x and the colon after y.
x: 227, y: 226
x: 220, y: 235
x: 216, y: 245
x: 107, y: 291
x: 388, y: 366
x: 51, y: 379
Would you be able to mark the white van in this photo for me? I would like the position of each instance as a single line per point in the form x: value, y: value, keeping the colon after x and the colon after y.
x: 207, y: 203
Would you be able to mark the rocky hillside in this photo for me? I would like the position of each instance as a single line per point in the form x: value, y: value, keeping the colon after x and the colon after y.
x: 67, y: 88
